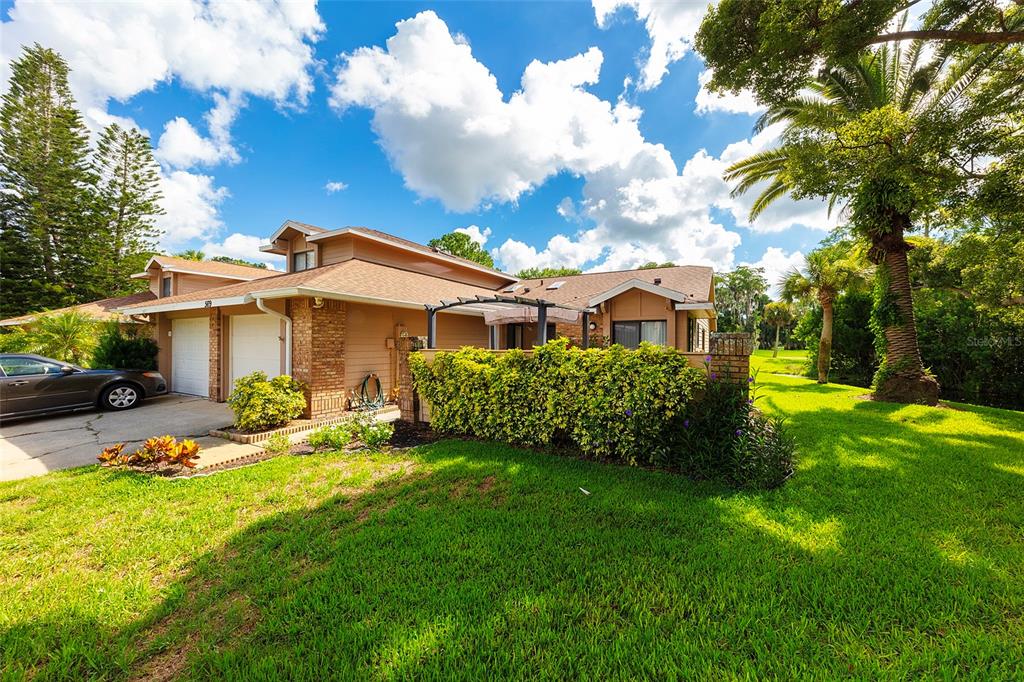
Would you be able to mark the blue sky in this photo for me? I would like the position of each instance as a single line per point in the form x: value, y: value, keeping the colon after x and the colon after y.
x: 254, y: 111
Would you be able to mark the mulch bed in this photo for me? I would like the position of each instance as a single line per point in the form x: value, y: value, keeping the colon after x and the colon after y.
x: 409, y: 435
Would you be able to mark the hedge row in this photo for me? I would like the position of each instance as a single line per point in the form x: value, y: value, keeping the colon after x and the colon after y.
x: 610, y: 403
x: 644, y: 407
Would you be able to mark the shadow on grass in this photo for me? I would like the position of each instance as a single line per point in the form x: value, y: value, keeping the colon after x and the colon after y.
x: 896, y: 554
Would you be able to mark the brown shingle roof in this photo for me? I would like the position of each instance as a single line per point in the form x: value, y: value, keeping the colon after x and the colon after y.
x: 101, y: 310
x: 355, y: 278
x: 214, y: 268
x: 406, y: 243
x: 692, y: 280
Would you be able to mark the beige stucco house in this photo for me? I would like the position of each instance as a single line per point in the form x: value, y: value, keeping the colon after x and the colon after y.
x: 348, y: 294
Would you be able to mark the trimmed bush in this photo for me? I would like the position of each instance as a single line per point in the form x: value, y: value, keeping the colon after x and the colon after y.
x: 118, y: 349
x: 643, y: 407
x: 613, y: 403
x: 260, y: 404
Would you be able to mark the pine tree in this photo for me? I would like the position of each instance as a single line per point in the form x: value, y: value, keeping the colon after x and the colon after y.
x: 45, y: 188
x: 127, y: 204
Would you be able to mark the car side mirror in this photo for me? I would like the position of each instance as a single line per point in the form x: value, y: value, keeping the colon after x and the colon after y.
x: 67, y: 370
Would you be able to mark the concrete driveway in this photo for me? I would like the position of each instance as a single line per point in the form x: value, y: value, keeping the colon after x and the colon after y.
x: 30, y: 447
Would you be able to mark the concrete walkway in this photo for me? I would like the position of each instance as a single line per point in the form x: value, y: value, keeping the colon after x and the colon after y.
x: 31, y: 447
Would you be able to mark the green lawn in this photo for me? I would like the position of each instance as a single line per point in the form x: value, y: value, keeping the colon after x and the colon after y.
x: 897, y: 551
x: 788, y: 361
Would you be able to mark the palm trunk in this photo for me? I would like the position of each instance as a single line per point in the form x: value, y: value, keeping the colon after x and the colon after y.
x: 825, y: 345
x: 775, y: 348
x: 902, y: 378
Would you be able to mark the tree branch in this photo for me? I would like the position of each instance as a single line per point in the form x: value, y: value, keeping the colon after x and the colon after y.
x: 966, y: 37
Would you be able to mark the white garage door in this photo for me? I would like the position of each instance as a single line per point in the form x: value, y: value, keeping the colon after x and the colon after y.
x: 255, y: 344
x: 190, y: 356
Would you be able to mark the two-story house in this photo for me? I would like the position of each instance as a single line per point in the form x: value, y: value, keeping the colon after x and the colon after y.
x: 349, y: 293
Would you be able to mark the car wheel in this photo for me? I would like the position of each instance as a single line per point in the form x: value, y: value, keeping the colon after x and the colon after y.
x: 121, y: 397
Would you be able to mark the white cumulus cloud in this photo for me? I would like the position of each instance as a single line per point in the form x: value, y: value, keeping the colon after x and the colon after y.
x: 335, y: 186
x: 190, y: 201
x: 475, y: 233
x: 740, y: 103
x: 776, y: 263
x: 227, y: 50
x: 244, y: 246
x: 671, y: 27
x: 454, y: 136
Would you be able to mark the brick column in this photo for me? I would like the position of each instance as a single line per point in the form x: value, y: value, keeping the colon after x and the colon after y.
x: 217, y: 391
x: 574, y: 332
x: 318, y: 354
x: 730, y: 355
x: 404, y: 345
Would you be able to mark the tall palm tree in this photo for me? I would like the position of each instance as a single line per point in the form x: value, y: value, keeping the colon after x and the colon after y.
x: 872, y: 134
x: 777, y: 314
x: 828, y: 272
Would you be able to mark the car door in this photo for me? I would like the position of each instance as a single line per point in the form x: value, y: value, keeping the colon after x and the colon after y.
x: 33, y: 385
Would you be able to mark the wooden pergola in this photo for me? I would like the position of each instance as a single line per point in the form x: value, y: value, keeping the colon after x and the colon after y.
x: 484, y: 304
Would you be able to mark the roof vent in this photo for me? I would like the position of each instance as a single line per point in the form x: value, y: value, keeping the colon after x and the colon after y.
x: 555, y: 285
x: 657, y: 280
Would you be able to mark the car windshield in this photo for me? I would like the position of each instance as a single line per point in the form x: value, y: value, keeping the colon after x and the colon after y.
x: 21, y: 367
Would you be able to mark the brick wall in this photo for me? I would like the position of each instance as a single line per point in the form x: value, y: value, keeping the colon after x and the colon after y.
x: 574, y: 332
x: 318, y: 354
x: 216, y: 354
x: 730, y: 355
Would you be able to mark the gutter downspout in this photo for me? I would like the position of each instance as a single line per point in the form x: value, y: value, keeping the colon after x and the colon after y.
x: 287, y: 333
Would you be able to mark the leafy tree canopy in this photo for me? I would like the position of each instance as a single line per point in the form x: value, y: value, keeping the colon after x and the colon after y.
x: 238, y: 261
x: 774, y: 46
x: 542, y: 273
x: 739, y: 296
x: 191, y: 254
x: 462, y: 245
x: 651, y: 265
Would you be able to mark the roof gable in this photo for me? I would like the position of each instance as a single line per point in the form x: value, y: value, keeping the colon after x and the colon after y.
x: 207, y: 268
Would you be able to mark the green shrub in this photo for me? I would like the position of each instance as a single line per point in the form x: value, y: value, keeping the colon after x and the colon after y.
x: 333, y: 437
x: 722, y: 435
x: 278, y: 444
x: 643, y: 407
x: 118, y: 349
x: 16, y: 340
x: 68, y: 337
x: 260, y: 404
x: 375, y: 435
x: 612, y: 403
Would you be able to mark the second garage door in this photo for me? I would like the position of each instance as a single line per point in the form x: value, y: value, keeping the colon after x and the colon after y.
x: 190, y: 356
x: 255, y: 344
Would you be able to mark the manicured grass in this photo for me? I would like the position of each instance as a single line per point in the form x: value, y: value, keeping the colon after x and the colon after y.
x: 788, y: 361
x: 896, y: 551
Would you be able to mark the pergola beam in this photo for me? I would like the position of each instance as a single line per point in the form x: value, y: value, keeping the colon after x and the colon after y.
x: 491, y: 303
